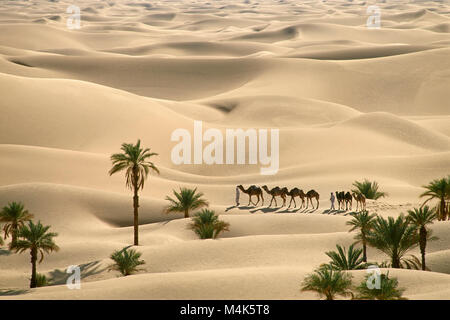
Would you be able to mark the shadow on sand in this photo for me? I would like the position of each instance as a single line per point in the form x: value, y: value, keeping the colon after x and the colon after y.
x: 12, y: 292
x: 58, y: 276
x: 4, y: 252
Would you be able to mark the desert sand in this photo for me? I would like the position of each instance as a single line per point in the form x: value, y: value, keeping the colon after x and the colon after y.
x: 350, y: 103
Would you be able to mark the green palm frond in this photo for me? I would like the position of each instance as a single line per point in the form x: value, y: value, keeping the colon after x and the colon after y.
x: 328, y: 283
x: 126, y: 261
x: 14, y: 216
x: 422, y: 217
x: 438, y: 189
x: 394, y: 237
x: 134, y: 160
x: 369, y: 189
x: 343, y: 259
x: 41, y: 280
x: 206, y: 224
x: 387, y: 290
x: 35, y: 237
x: 185, y: 201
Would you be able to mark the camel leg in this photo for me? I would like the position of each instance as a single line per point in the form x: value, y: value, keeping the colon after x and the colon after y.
x: 249, y: 199
x: 258, y: 199
x: 284, y: 201
x: 262, y: 198
x: 317, y: 203
x: 307, y: 203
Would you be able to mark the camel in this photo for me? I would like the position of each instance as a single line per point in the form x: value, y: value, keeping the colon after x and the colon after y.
x: 348, y: 200
x: 296, y: 192
x: 360, y: 201
x: 312, y: 194
x: 277, y: 192
x: 252, y: 191
x: 340, y: 198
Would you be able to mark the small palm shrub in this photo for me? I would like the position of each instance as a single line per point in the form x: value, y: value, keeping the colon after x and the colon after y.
x: 343, y: 259
x: 328, y: 283
x: 368, y: 189
x: 185, y: 201
x: 126, y: 261
x: 206, y: 224
x: 41, y: 280
x: 387, y: 290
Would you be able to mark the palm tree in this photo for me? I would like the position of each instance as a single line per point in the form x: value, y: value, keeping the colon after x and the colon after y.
x: 368, y: 189
x: 346, y: 260
x: 363, y: 221
x: 126, y: 261
x: 134, y: 160
x: 421, y: 218
x: 14, y: 216
x: 388, y: 289
x: 328, y: 283
x: 393, y: 237
x: 34, y: 237
x: 186, y: 201
x: 439, y: 189
x: 206, y: 224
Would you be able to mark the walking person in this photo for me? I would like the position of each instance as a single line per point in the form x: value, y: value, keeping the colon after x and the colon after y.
x: 237, y: 197
x: 332, y: 198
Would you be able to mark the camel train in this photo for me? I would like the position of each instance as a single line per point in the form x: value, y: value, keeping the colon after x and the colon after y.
x: 282, y: 193
x: 346, y: 198
x: 343, y: 198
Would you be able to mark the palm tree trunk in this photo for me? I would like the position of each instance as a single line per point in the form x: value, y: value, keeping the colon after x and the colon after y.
x: 33, y: 254
x: 136, y: 216
x: 423, y: 243
x: 364, y: 249
x: 396, y: 262
x: 13, y: 234
x: 186, y: 213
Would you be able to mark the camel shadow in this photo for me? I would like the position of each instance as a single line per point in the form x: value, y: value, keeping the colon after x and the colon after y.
x: 12, y: 292
x: 287, y: 210
x: 232, y: 207
x: 265, y: 210
x: 246, y: 207
x: 58, y: 276
x: 308, y: 210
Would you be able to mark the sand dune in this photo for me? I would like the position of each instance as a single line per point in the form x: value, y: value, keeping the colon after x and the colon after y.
x: 350, y: 103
